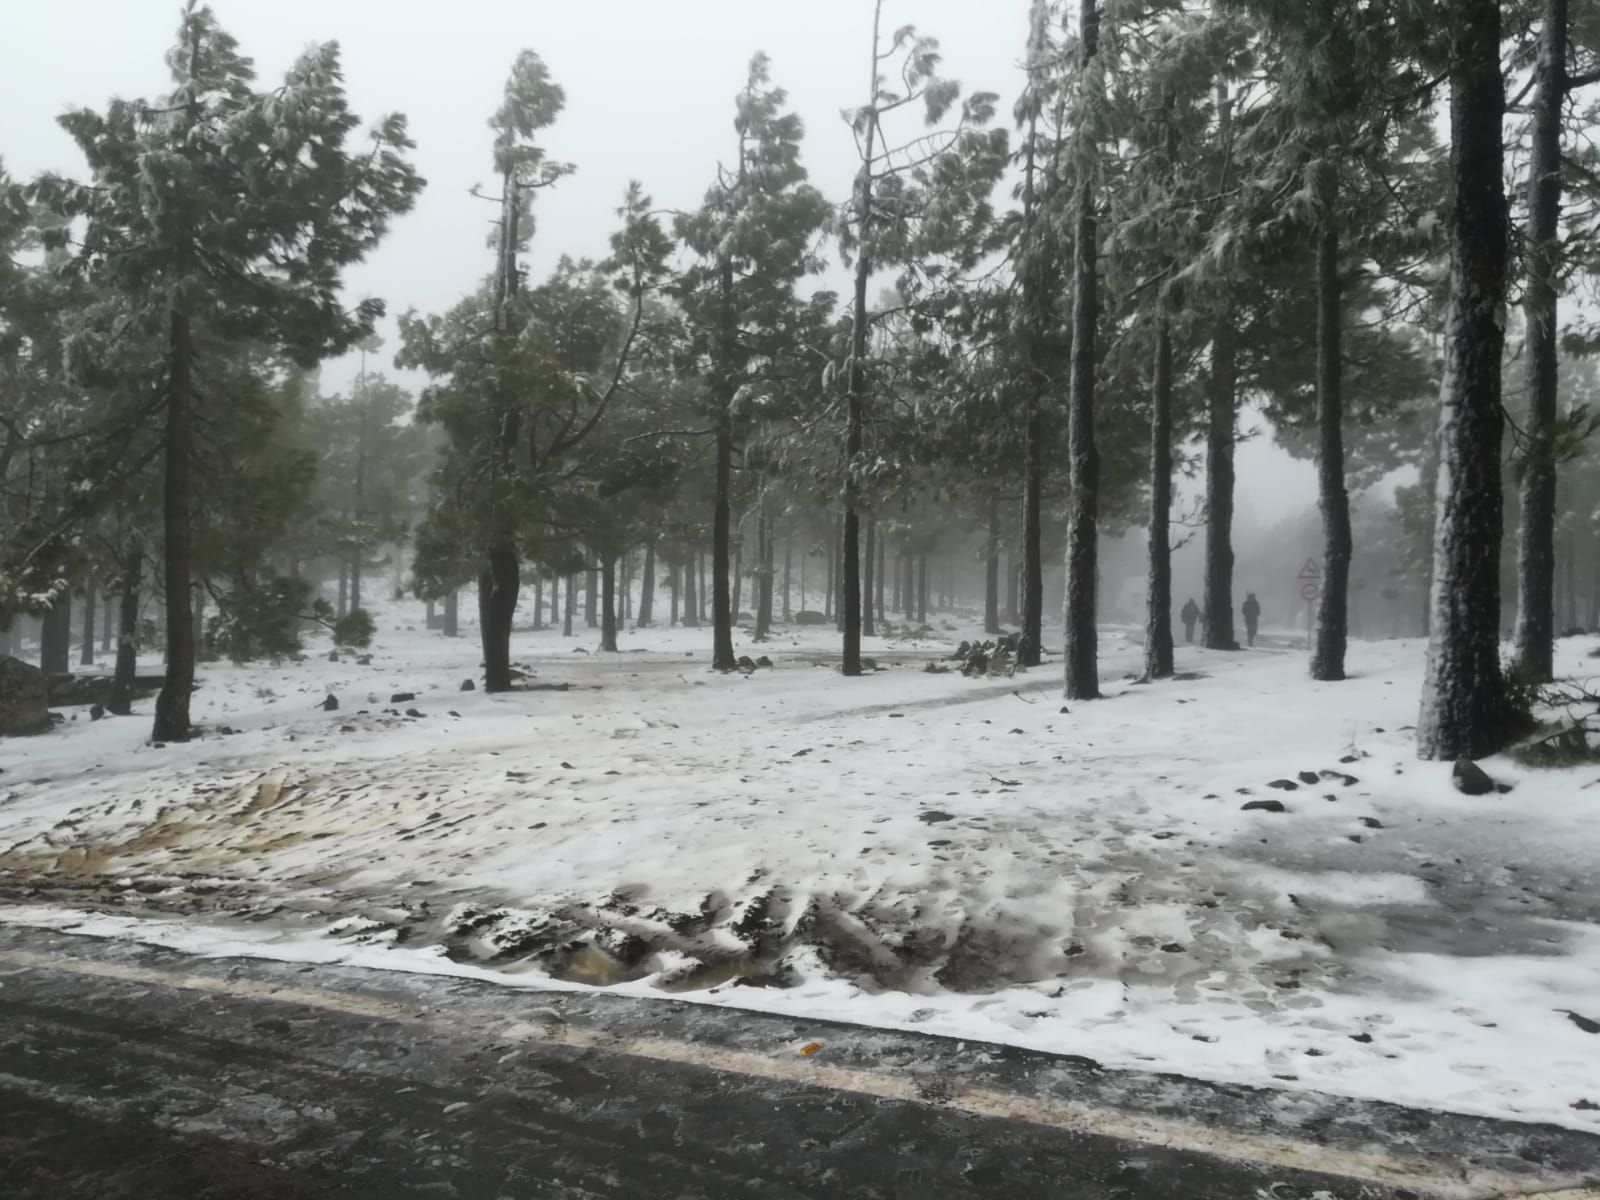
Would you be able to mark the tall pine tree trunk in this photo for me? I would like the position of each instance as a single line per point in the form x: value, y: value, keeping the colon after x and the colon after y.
x: 1222, y: 415
x: 922, y: 589
x: 722, y: 655
x: 647, y: 587
x: 108, y: 626
x: 869, y: 560
x: 1158, y: 655
x: 1327, y: 657
x: 831, y: 590
x: 172, y: 704
x: 856, y: 400
x: 591, y: 591
x: 608, y: 603
x: 55, y: 637
x: 1158, y: 583
x: 1031, y: 648
x: 1593, y: 623
x: 452, y: 613
x: 991, y: 569
x: 120, y: 701
x: 882, y: 560
x: 764, y: 576
x: 538, y: 603
x: 691, y: 604
x: 86, y: 651
x: 342, y: 606
x: 788, y: 564
x: 498, y: 586
x: 1083, y: 458
x: 1535, y: 638
x: 571, y: 605
x: 1464, y: 710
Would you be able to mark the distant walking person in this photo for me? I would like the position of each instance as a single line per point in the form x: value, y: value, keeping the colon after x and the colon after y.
x: 1190, y: 614
x: 1252, y: 616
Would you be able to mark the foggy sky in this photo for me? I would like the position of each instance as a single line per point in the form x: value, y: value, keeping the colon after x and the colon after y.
x: 650, y: 89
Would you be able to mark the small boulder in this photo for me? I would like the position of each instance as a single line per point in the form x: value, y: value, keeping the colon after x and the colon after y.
x: 1471, y: 779
x: 1284, y: 785
x: 331, y: 703
x: 23, y: 706
x: 808, y: 617
x: 746, y: 663
x: 413, y: 712
x: 468, y: 685
x: 1309, y: 778
x: 363, y: 660
x: 1272, y: 806
x: 96, y: 711
x: 763, y: 661
x: 402, y: 697
x: 333, y: 656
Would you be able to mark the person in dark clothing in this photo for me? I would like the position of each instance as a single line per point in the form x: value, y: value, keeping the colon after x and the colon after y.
x: 1190, y: 614
x: 1252, y: 616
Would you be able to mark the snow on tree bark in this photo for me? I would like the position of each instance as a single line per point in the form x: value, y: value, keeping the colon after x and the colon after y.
x: 1535, y: 636
x: 1463, y: 709
x: 1083, y: 460
x: 991, y: 570
x: 1222, y: 415
x: 608, y: 603
x: 1327, y: 659
x: 120, y: 702
x: 172, y: 704
x: 647, y: 588
x: 1158, y: 601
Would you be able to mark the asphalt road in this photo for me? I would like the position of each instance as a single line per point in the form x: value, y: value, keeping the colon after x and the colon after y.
x: 131, y: 1072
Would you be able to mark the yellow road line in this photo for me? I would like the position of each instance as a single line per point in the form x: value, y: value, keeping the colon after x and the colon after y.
x: 1266, y: 1150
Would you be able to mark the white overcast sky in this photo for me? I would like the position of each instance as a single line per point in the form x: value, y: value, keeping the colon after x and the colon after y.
x: 650, y: 86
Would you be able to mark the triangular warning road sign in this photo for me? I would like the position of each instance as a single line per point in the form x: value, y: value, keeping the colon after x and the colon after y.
x: 1311, y: 570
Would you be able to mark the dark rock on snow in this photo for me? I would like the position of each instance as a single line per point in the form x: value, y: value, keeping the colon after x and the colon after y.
x: 468, y: 685
x: 807, y: 617
x: 1309, y: 778
x: 402, y: 697
x: 331, y: 704
x: 23, y: 692
x: 1284, y: 785
x: 1272, y: 806
x: 1471, y: 779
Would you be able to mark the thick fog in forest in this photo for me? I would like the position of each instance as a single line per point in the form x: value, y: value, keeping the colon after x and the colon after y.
x: 1038, y: 521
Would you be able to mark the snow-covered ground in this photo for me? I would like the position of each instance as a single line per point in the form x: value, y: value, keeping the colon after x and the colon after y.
x: 910, y: 849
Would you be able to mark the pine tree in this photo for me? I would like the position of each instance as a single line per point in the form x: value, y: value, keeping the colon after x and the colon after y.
x: 522, y: 377
x: 223, y: 214
x: 1464, y: 708
x: 753, y: 239
x: 913, y: 203
x: 1083, y: 457
x: 1536, y: 559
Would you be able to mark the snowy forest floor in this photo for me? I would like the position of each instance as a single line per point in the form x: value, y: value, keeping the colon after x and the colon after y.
x: 908, y: 849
